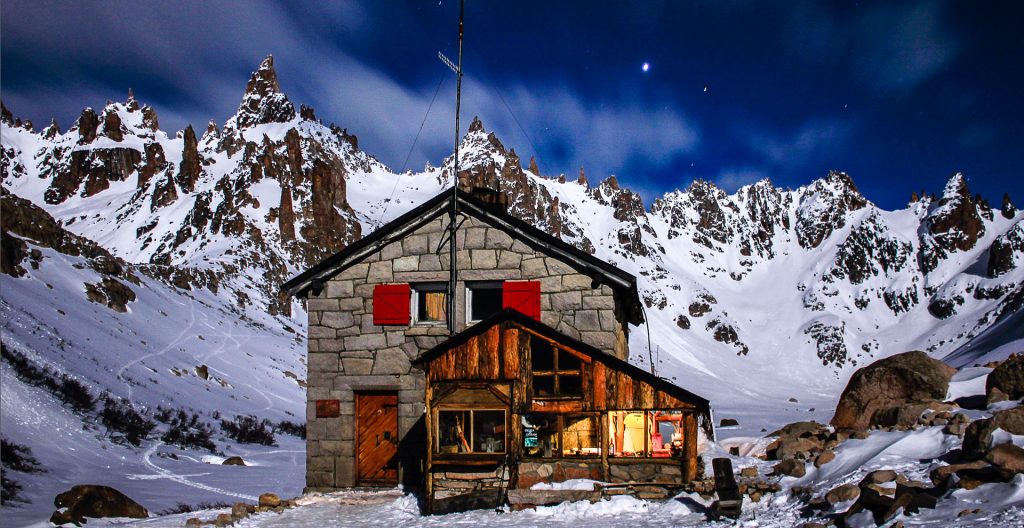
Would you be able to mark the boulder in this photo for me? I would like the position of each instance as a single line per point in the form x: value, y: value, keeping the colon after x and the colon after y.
x: 233, y: 461
x: 270, y: 500
x: 1008, y: 458
x: 798, y: 440
x: 940, y: 475
x: 749, y: 472
x: 978, y: 436
x: 880, y: 476
x: 846, y: 492
x: 94, y: 501
x: 824, y: 458
x: 1006, y: 382
x: 728, y: 422
x: 879, y: 390
x: 790, y: 468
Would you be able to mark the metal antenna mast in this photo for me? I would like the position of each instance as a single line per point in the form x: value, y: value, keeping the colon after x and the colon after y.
x: 453, y: 212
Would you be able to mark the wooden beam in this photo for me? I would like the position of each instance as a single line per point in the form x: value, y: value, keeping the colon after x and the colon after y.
x: 689, y: 446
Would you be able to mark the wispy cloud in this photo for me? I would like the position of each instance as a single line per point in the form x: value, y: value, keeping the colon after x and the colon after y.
x: 894, y: 48
x: 814, y: 139
x: 732, y: 179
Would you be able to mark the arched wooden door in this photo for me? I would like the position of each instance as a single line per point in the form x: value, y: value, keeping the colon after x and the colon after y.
x: 376, y: 438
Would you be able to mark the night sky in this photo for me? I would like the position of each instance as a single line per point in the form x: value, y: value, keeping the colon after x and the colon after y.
x: 898, y: 94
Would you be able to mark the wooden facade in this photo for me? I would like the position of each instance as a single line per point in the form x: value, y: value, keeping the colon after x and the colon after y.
x: 491, y: 367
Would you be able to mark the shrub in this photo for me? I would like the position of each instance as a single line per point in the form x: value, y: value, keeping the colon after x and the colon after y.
x: 69, y: 390
x: 187, y: 431
x: 249, y: 430
x: 15, y: 457
x: 120, y: 417
x: 291, y: 428
x: 184, y: 507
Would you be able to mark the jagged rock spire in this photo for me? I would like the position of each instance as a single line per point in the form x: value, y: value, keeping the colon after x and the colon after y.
x: 263, y: 101
x: 1008, y: 210
x: 5, y: 115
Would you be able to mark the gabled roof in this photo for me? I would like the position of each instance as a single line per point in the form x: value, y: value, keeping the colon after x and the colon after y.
x: 603, y: 272
x: 510, y: 315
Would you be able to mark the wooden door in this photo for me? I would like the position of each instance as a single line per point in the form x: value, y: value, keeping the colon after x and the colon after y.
x: 376, y: 438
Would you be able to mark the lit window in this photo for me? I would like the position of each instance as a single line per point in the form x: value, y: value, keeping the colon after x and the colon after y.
x: 470, y: 431
x: 483, y: 299
x: 553, y: 436
x: 556, y: 372
x: 429, y: 302
x: 540, y: 435
x: 657, y: 434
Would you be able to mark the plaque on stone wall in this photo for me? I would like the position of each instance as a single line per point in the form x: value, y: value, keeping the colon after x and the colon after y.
x: 328, y: 408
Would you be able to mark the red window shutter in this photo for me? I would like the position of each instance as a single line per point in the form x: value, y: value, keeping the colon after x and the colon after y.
x: 523, y: 296
x: 391, y: 304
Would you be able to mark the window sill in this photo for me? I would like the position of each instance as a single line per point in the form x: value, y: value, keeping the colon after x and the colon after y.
x: 467, y: 459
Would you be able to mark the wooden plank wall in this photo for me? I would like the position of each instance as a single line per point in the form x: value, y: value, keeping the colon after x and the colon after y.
x: 502, y: 353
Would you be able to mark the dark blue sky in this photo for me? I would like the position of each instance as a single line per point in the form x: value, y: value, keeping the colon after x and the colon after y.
x: 900, y: 94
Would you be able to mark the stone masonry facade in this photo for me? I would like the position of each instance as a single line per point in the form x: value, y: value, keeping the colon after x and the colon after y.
x: 348, y: 353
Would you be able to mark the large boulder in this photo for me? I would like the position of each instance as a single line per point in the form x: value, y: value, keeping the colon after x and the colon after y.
x: 1006, y: 382
x: 94, y: 501
x: 878, y: 394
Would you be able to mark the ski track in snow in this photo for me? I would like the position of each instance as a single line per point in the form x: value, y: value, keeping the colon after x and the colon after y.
x: 181, y: 479
x: 177, y: 340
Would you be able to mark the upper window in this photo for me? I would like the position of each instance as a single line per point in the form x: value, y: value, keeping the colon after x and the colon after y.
x: 556, y: 372
x: 429, y: 302
x: 483, y: 299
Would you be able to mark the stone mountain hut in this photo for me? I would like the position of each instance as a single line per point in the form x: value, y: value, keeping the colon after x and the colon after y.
x: 531, y: 384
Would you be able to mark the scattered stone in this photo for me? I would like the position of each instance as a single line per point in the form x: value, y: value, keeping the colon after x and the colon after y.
x: 94, y: 501
x: 846, y: 492
x: 203, y: 372
x: 728, y: 422
x: 1008, y: 458
x: 270, y: 500
x: 880, y: 476
x: 1006, y: 382
x: 978, y: 436
x: 879, y: 394
x: 793, y: 400
x: 233, y: 461
x: 968, y: 511
x: 824, y: 458
x: 223, y: 519
x: 790, y: 467
x: 195, y: 521
x: 749, y: 472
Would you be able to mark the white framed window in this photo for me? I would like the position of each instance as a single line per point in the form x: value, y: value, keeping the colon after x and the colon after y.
x: 483, y: 299
x: 429, y: 303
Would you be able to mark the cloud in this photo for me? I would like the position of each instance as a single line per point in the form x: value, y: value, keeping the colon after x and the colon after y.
x: 813, y: 140
x: 732, y: 179
x: 893, y: 48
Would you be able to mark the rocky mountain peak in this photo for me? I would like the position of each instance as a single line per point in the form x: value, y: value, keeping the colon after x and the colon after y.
x: 87, y: 124
x: 476, y: 125
x: 263, y: 101
x: 1008, y: 210
x: 5, y: 115
x: 955, y: 225
x: 51, y: 131
x: 582, y: 180
x: 823, y: 207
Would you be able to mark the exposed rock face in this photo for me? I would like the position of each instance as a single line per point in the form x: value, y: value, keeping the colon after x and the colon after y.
x: 263, y: 101
x: 87, y: 124
x: 1006, y: 382
x: 94, y: 501
x: 1008, y: 210
x: 875, y: 391
x: 955, y: 225
x: 6, y: 117
x: 112, y: 125
x: 1006, y: 251
x: 824, y: 206
x: 191, y: 162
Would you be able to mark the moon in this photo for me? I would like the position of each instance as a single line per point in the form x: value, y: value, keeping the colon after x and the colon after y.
x: 646, y: 66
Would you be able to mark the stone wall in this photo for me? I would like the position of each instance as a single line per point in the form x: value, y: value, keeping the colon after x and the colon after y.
x: 449, y: 484
x: 348, y: 353
x: 532, y: 472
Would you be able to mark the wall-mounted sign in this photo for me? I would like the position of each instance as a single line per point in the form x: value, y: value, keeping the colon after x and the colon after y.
x: 328, y: 408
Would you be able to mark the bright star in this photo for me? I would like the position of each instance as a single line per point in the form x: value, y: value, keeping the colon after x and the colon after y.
x: 646, y: 66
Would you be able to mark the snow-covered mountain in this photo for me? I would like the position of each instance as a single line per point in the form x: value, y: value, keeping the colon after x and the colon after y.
x: 752, y: 298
